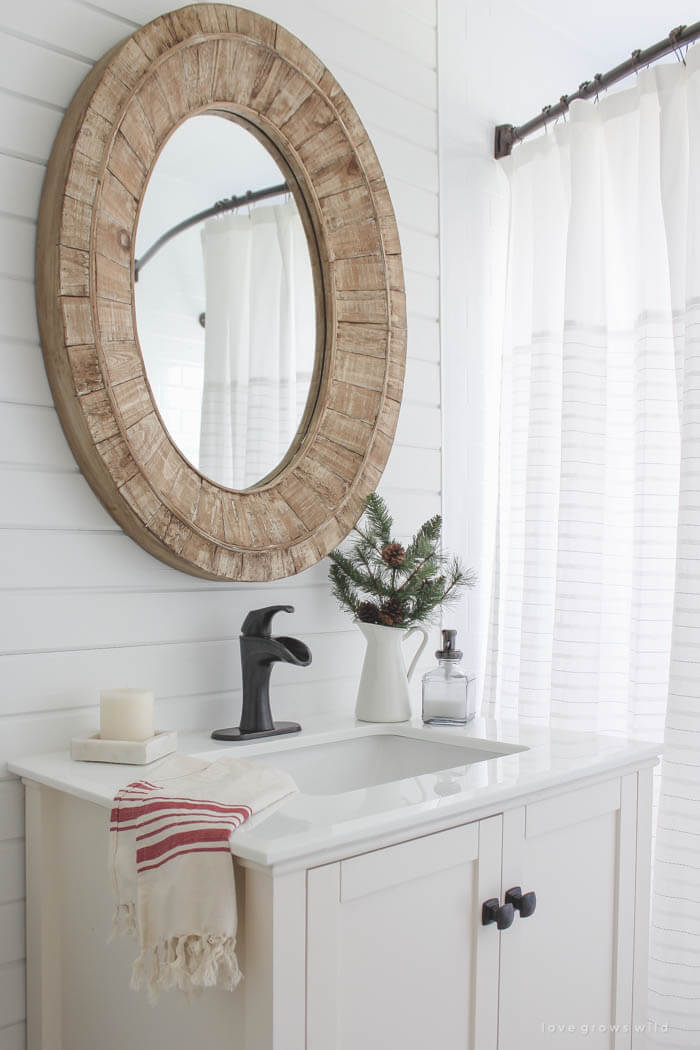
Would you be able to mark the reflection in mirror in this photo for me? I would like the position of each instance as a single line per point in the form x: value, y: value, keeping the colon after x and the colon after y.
x: 224, y: 301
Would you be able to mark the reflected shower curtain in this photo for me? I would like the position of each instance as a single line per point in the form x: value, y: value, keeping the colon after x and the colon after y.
x: 595, y: 621
x: 260, y: 341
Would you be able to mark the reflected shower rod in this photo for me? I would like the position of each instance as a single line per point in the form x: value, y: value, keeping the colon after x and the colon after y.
x: 228, y: 204
x: 507, y: 135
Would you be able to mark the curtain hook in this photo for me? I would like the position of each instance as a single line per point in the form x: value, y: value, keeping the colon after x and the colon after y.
x: 677, y: 49
x: 545, y: 111
x: 564, y: 100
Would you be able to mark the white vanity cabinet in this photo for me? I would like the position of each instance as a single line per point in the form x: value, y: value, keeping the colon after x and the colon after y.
x: 360, y: 914
x: 397, y: 955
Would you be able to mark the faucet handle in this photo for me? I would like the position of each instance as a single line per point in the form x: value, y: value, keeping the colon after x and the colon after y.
x: 258, y: 621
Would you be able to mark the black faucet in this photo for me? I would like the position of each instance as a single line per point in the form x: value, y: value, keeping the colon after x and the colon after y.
x: 259, y: 651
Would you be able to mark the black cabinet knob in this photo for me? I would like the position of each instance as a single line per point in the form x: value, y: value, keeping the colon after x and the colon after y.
x: 525, y: 903
x: 502, y: 915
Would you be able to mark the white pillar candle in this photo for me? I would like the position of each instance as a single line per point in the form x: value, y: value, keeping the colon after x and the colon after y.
x: 126, y: 714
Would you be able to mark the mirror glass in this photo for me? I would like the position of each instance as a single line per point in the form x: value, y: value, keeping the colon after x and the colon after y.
x: 225, y: 303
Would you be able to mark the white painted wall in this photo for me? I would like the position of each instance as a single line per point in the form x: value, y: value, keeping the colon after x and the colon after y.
x: 82, y: 607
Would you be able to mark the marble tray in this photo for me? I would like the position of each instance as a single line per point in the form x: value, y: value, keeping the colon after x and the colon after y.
x: 128, y: 752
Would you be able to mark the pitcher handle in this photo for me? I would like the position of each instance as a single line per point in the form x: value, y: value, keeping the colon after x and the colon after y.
x: 419, y: 650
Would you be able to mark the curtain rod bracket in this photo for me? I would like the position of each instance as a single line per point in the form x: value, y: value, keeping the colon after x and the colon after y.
x: 504, y: 139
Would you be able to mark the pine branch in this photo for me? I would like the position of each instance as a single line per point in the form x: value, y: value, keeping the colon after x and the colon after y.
x: 424, y: 543
x: 379, y: 518
x: 342, y: 589
x: 366, y: 553
x: 429, y: 598
x: 406, y: 586
x: 345, y: 565
x: 423, y: 569
x: 459, y: 576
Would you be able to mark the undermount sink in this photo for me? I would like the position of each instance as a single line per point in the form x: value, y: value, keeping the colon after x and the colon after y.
x: 360, y: 762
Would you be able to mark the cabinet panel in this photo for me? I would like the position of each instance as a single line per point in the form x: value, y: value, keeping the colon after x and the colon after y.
x: 572, y: 807
x: 384, y: 868
x: 396, y: 953
x: 566, y: 971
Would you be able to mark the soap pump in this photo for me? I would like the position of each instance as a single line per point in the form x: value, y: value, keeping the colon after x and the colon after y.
x: 447, y: 698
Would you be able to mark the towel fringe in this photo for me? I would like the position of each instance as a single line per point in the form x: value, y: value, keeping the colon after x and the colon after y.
x: 188, y: 963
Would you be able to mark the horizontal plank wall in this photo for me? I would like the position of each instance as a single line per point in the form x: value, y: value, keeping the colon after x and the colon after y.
x: 82, y: 606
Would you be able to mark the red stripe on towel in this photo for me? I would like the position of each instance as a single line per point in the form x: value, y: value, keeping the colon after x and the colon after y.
x: 128, y: 814
x: 182, y: 853
x: 183, y: 838
x: 231, y: 822
x: 190, y: 816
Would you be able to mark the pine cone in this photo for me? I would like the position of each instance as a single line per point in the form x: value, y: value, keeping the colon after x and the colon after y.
x: 368, y: 612
x: 392, y: 608
x: 386, y: 620
x: 394, y: 555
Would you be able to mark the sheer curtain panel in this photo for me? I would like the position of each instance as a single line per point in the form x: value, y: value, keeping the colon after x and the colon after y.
x: 260, y: 341
x: 595, y: 621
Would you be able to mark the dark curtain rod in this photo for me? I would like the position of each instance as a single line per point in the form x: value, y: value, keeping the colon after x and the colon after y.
x: 506, y: 135
x: 229, y: 204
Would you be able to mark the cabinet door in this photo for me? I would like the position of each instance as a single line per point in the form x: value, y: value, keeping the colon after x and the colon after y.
x: 566, y: 970
x: 397, y: 955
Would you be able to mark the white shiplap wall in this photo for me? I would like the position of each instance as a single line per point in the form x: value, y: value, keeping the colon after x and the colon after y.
x: 82, y: 606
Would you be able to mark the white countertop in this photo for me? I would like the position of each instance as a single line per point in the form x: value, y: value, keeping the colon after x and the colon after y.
x: 320, y: 827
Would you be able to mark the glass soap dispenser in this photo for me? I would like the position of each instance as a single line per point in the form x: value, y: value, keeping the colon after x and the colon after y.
x: 446, y: 693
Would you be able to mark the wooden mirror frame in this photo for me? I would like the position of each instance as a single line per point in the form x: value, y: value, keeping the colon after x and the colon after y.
x: 201, y: 58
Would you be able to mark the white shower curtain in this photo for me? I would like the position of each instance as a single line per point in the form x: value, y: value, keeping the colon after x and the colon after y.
x: 260, y: 341
x: 595, y: 619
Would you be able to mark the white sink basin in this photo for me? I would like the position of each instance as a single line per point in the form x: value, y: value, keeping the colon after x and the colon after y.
x: 365, y: 761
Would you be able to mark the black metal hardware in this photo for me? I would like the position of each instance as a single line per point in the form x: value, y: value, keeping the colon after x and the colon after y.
x: 506, y: 135
x: 259, y: 651
x: 502, y: 915
x: 525, y: 903
x: 503, y: 140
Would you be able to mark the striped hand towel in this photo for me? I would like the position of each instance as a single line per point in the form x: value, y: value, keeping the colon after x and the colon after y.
x: 172, y: 866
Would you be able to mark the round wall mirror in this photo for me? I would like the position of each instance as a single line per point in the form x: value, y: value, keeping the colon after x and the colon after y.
x: 224, y: 301
x: 243, y: 449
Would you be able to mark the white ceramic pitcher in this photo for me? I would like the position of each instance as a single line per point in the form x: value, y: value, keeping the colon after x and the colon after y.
x: 383, y: 692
